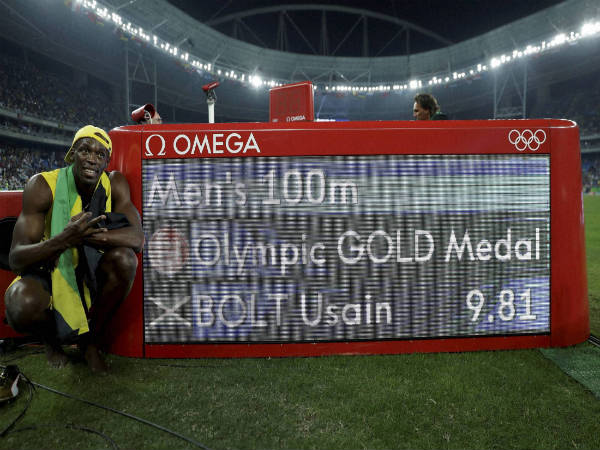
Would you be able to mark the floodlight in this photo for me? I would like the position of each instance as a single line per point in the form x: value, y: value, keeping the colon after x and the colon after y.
x: 589, y: 29
x: 256, y: 81
x: 559, y: 39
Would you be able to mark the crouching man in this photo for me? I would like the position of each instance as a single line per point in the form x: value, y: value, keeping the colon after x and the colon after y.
x: 73, y: 247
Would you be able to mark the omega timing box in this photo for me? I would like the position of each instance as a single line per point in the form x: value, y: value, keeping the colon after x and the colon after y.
x: 292, y: 103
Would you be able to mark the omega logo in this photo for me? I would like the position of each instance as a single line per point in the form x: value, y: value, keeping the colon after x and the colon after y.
x: 212, y: 144
x: 295, y: 118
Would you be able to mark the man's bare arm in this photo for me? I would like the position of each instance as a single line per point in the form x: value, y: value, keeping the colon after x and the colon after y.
x: 27, y: 247
x: 131, y: 236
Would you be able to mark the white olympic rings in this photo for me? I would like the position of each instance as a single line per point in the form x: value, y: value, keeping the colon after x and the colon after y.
x: 527, y: 139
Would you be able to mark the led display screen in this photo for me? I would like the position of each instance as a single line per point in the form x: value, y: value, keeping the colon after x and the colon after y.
x: 344, y: 248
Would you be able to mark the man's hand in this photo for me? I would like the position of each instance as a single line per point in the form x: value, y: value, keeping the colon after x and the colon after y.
x: 80, y: 227
x: 131, y: 236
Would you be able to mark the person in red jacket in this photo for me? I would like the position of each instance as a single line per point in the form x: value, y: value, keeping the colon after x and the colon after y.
x: 146, y: 115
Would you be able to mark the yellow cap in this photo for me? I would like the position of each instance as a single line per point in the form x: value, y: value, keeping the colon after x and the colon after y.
x: 90, y: 131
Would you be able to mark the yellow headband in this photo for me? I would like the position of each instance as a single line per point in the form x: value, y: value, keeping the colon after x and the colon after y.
x: 90, y: 131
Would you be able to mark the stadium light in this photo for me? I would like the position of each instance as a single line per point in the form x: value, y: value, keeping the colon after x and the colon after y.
x: 111, y: 15
x: 590, y: 28
x: 256, y: 81
x: 559, y: 39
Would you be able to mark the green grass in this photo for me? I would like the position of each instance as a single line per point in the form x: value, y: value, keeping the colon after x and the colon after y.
x: 502, y: 399
x: 591, y: 206
x: 505, y: 399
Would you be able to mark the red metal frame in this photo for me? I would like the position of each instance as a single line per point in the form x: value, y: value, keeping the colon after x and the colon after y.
x: 10, y: 206
x: 569, y: 302
x: 569, y: 305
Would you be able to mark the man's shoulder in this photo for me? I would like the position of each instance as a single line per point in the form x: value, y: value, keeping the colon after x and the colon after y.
x: 119, y: 185
x: 50, y: 177
x: 43, y: 181
x: 116, y: 177
x: 39, y: 192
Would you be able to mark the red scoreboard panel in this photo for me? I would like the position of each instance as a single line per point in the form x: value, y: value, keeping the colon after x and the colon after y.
x: 292, y: 239
x: 292, y: 103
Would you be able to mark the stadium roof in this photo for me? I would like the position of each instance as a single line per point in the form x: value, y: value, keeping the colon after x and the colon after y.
x: 86, y: 35
x: 432, y: 24
x: 209, y: 45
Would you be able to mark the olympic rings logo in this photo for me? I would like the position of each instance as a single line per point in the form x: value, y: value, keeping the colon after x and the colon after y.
x: 527, y: 139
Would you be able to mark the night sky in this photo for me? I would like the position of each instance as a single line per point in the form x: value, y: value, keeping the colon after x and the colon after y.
x: 454, y: 20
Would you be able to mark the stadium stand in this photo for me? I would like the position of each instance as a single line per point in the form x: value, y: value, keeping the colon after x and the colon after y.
x: 29, y: 89
x: 42, y: 105
x: 590, y: 167
x: 19, y: 163
x: 74, y: 70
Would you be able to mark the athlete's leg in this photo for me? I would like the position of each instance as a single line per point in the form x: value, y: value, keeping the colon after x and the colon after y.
x: 28, y: 311
x: 115, y: 276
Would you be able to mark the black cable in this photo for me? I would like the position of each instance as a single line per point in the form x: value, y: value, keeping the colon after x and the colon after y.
x: 35, y: 427
x: 20, y: 416
x: 9, y: 345
x: 594, y: 340
x: 73, y: 427
x: 32, y: 385
x: 23, y: 355
x: 131, y: 416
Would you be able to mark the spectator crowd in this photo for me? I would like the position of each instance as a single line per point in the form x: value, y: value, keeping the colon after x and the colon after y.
x: 569, y: 106
x: 35, y: 129
x: 590, y: 168
x: 18, y: 164
x: 27, y: 89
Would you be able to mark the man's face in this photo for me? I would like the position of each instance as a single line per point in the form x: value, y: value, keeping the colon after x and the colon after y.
x: 90, y: 158
x: 419, y: 113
